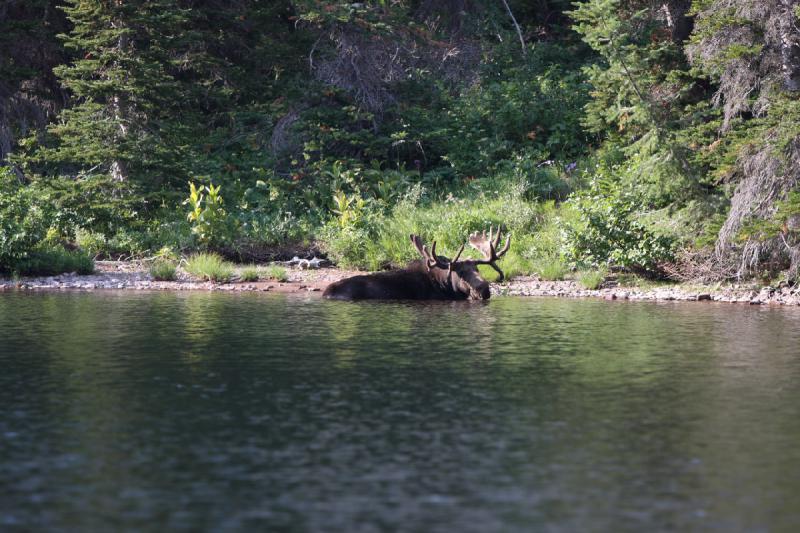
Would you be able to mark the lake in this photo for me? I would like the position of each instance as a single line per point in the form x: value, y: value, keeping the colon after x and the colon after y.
x: 124, y: 411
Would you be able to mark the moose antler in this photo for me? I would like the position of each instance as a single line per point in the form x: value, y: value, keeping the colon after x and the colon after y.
x: 431, y: 259
x: 487, y: 245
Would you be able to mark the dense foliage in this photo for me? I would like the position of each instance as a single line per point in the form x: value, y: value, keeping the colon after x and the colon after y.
x: 655, y: 136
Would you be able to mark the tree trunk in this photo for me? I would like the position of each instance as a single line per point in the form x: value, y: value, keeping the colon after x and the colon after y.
x: 680, y: 25
x: 119, y: 170
x: 790, y: 45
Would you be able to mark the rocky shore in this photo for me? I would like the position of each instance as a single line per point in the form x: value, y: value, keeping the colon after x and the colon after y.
x: 132, y: 275
x: 729, y: 293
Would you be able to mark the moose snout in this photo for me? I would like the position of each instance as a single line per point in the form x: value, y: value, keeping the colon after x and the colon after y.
x: 481, y: 292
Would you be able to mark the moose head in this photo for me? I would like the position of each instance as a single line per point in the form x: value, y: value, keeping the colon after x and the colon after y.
x: 462, y: 277
x: 435, y: 277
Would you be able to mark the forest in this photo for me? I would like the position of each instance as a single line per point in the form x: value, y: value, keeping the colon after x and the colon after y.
x: 656, y: 137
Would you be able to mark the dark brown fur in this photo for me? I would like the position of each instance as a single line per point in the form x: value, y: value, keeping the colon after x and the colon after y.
x: 412, y: 283
x: 435, y: 277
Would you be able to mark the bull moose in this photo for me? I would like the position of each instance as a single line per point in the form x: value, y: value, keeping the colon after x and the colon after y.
x: 434, y: 277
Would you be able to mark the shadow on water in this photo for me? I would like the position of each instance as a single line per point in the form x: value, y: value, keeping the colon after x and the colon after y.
x: 230, y: 412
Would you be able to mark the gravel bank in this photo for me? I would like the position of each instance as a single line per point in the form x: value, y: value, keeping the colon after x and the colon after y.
x: 732, y: 293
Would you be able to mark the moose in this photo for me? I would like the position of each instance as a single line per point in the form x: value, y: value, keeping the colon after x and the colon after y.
x: 434, y: 277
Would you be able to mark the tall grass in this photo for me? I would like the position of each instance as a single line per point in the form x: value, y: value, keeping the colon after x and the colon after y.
x: 551, y: 268
x: 249, y: 273
x: 278, y: 273
x: 209, y: 266
x: 382, y: 239
x: 162, y: 270
x: 48, y: 261
x: 591, y: 279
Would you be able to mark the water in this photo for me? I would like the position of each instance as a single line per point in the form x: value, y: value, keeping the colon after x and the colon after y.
x: 204, y: 411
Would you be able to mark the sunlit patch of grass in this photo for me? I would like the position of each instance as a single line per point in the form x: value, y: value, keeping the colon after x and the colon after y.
x: 249, y: 273
x: 591, y: 279
x: 209, y: 266
x: 162, y: 270
x: 278, y: 273
x: 551, y: 268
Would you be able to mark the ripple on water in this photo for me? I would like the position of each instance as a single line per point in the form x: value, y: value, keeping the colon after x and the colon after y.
x: 242, y: 411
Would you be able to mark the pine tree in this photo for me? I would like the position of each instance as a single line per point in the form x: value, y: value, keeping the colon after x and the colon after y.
x: 640, y: 91
x: 126, y: 121
x: 29, y: 93
x: 750, y: 49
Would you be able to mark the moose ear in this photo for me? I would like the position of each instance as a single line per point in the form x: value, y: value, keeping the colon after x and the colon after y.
x: 423, y: 251
x: 417, y: 242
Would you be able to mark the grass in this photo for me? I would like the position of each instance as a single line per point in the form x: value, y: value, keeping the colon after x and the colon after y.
x: 631, y: 280
x: 209, y: 266
x: 278, y: 273
x: 551, y: 268
x: 591, y: 279
x: 162, y: 270
x: 381, y: 239
x: 249, y: 273
x: 52, y: 261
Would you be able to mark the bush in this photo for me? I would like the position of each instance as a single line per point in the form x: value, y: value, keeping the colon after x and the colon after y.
x: 209, y: 266
x: 92, y: 243
x: 162, y: 270
x: 608, y: 233
x: 210, y: 222
x: 23, y: 220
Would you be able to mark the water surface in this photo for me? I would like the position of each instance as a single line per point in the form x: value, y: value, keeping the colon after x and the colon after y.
x: 240, y: 412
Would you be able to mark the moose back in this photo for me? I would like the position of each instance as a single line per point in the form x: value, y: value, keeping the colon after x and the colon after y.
x: 434, y: 277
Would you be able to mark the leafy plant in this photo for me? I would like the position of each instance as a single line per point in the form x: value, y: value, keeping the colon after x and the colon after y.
x: 609, y: 233
x: 207, y: 214
x: 348, y: 208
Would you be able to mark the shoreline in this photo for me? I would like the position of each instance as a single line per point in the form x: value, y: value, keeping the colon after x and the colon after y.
x: 133, y: 275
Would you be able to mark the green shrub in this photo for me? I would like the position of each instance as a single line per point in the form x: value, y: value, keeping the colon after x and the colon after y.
x: 278, y: 273
x: 23, y: 220
x: 93, y: 243
x: 209, y: 266
x: 591, y: 279
x: 210, y: 222
x: 162, y: 270
x: 609, y: 233
x: 49, y: 261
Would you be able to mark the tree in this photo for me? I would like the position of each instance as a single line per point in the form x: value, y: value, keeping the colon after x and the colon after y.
x: 641, y: 88
x: 126, y: 116
x: 751, y: 51
x: 29, y: 92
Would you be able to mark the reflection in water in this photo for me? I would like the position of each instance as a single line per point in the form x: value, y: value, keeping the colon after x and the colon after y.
x: 235, y: 412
